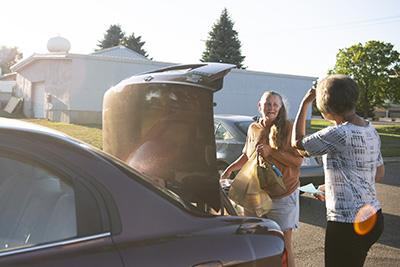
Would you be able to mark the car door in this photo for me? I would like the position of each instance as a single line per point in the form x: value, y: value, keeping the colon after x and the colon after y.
x: 48, y: 217
x: 228, y: 148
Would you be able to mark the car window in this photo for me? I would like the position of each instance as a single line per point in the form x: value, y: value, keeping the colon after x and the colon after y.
x: 243, y: 125
x: 221, y: 133
x: 36, y: 206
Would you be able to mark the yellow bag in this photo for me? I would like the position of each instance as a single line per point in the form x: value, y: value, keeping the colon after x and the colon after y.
x: 246, y: 191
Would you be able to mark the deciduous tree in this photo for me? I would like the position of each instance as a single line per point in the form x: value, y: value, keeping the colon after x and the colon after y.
x: 8, y: 57
x: 375, y: 66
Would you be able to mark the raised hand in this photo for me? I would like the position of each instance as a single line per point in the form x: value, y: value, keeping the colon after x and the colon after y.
x: 263, y: 150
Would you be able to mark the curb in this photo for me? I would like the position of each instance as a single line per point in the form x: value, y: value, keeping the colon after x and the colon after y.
x: 391, y: 159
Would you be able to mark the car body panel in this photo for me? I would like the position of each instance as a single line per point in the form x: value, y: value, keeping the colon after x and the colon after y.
x: 90, y: 252
x: 135, y: 220
x: 65, y: 203
x: 227, y: 151
x: 211, y: 241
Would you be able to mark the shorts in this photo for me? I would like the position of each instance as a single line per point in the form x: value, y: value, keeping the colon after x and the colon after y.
x: 285, y: 211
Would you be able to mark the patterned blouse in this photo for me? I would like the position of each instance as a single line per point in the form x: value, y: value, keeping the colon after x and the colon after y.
x: 351, y: 155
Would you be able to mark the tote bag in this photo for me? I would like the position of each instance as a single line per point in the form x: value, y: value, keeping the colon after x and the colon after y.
x: 270, y: 178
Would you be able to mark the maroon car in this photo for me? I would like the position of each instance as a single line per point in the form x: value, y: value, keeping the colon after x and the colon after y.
x: 64, y: 203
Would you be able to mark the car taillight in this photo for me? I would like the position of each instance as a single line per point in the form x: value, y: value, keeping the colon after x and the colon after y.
x: 284, y: 258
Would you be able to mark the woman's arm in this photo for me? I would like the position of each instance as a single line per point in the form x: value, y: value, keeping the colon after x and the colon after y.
x: 286, y: 158
x: 236, y: 165
x: 380, y: 173
x: 299, y: 125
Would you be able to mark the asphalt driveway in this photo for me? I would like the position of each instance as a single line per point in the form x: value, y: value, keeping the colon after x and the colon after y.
x: 309, y: 239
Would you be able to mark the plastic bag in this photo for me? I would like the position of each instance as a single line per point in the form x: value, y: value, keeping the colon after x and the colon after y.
x: 246, y: 191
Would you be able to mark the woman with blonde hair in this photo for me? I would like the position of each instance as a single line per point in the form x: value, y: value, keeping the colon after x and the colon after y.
x: 270, y: 138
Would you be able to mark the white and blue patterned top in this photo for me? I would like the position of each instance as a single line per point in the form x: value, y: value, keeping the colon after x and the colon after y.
x: 351, y: 155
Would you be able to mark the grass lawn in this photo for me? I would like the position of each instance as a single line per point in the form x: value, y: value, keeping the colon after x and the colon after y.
x: 389, y: 133
x: 90, y: 134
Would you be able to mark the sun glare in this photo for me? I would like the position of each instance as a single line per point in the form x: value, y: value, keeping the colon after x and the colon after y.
x: 362, y: 226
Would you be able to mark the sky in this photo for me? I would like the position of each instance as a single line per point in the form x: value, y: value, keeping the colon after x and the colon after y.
x: 298, y: 37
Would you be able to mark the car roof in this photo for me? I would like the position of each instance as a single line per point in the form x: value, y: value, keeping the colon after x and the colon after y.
x: 13, y: 124
x: 233, y: 117
x: 27, y: 127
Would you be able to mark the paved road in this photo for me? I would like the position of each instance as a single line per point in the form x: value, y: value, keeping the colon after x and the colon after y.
x: 309, y: 239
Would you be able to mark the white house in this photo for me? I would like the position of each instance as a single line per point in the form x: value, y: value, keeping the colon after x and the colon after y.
x: 67, y: 87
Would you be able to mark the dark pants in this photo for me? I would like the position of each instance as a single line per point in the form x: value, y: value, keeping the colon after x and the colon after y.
x: 344, y: 247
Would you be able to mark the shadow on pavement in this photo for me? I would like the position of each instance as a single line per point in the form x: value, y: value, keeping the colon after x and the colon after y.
x: 313, y: 212
x: 391, y: 232
x: 391, y: 174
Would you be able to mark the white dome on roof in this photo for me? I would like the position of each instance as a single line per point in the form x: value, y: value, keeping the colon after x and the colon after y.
x: 58, y: 44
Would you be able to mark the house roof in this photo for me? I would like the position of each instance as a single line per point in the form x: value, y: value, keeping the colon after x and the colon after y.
x: 116, y: 53
x: 26, y: 61
x: 120, y: 51
x: 281, y: 75
x: 99, y: 56
x: 123, y: 54
x: 8, y: 76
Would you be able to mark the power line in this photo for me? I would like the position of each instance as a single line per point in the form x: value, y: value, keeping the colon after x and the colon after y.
x: 367, y: 22
x: 352, y: 24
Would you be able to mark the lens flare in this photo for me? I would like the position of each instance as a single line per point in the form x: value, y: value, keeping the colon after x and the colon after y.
x: 363, y: 226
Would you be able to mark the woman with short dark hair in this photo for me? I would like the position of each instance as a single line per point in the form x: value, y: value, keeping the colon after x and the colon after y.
x: 352, y: 163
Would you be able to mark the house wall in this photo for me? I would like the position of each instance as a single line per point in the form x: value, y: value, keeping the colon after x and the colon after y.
x: 75, y: 85
x: 56, y: 76
x: 242, y: 91
x: 92, y: 77
x: 6, y: 88
x: 4, y: 98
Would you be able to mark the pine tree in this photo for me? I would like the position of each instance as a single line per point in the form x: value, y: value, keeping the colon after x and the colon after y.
x: 223, y: 44
x: 135, y: 44
x: 113, y: 37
